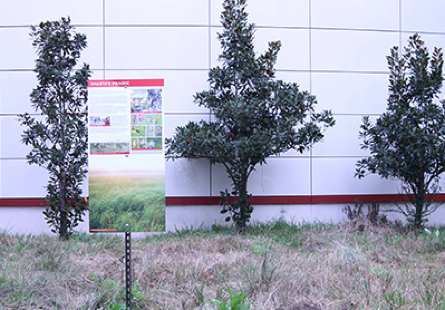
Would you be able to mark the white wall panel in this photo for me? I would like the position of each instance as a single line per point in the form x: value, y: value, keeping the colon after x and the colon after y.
x: 335, y: 176
x: 329, y: 213
x: 187, y: 178
x: 192, y: 217
x: 216, y: 7
x: 220, y: 180
x: 291, y: 213
x: 10, y: 133
x: 425, y: 15
x: 215, y: 47
x: 437, y: 218
x: 15, y: 88
x: 18, y: 179
x: 279, y: 13
x: 24, y: 12
x: 351, y: 93
x: 294, y: 53
x: 157, y: 12
x: 179, y: 86
x: 303, y: 79
x: 84, y: 187
x: 173, y: 121
x: 281, y: 176
x: 29, y: 220
x: 342, y: 139
x: 93, y: 54
x: 97, y: 74
x: 356, y: 14
x: 351, y: 50
x: 156, y: 48
x: 18, y: 53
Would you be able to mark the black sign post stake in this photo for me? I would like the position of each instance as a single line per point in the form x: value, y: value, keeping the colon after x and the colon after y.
x: 128, y: 285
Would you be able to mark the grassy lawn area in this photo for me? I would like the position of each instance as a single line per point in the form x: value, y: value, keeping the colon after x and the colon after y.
x: 278, y: 266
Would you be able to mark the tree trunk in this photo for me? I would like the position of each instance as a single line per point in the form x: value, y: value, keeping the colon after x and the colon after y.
x: 63, y: 208
x: 420, y: 202
x: 243, y: 202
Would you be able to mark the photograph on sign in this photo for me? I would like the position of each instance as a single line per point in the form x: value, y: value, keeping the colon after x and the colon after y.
x: 126, y: 158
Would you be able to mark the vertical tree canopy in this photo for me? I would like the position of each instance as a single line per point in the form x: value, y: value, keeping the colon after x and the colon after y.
x: 254, y: 115
x: 407, y: 142
x: 59, y: 137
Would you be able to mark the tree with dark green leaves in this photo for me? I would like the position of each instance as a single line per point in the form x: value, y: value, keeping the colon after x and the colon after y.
x: 407, y: 142
x: 58, y: 136
x: 254, y: 115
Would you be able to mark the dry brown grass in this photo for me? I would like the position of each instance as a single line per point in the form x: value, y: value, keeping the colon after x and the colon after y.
x: 278, y: 266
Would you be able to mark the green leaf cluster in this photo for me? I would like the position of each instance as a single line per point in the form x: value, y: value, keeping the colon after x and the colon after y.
x: 254, y: 115
x: 236, y: 302
x: 407, y: 142
x: 58, y: 137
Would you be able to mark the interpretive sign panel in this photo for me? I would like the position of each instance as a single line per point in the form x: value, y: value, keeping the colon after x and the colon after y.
x: 126, y: 158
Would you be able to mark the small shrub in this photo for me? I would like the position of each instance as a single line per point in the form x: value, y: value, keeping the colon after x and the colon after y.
x: 357, y: 216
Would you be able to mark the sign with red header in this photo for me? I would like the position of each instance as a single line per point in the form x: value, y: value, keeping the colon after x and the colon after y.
x: 126, y: 158
x: 126, y: 83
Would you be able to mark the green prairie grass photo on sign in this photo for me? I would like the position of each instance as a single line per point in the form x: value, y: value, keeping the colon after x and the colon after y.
x: 133, y: 199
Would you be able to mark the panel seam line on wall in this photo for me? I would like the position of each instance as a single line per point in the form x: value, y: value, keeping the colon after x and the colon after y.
x: 103, y: 42
x: 310, y: 91
x: 209, y: 63
x: 256, y: 26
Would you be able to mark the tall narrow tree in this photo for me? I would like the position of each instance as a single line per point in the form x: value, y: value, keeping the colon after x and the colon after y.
x: 59, y: 136
x: 408, y: 141
x: 255, y: 115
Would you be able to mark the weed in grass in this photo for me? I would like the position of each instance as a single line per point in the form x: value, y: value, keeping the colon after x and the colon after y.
x: 115, y: 306
x: 267, y: 264
x: 436, y: 239
x: 236, y: 302
x: 198, y: 296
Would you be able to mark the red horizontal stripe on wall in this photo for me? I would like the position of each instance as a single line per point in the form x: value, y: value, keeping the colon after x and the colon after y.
x: 257, y: 200
x: 279, y: 200
x: 21, y: 202
x: 366, y: 198
x: 187, y: 201
x: 354, y: 198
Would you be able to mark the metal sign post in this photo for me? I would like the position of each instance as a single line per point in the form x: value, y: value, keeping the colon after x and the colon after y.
x: 128, y: 285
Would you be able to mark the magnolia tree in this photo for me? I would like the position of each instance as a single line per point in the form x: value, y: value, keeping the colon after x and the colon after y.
x: 59, y: 136
x: 408, y: 141
x: 255, y: 115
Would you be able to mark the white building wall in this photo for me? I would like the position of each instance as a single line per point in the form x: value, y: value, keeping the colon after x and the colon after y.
x: 335, y: 49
